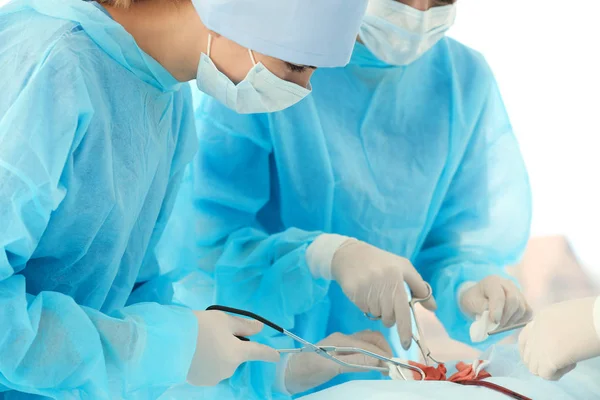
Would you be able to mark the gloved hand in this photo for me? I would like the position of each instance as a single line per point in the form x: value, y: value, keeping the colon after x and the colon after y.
x: 373, y: 279
x: 305, y: 371
x: 503, y: 299
x: 219, y: 352
x: 560, y: 336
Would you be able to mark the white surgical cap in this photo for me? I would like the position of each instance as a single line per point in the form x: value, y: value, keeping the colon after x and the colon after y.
x: 319, y: 33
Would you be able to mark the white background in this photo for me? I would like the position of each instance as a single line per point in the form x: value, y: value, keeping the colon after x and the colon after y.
x: 546, y: 57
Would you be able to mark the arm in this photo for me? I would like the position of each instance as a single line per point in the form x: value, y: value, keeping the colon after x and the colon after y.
x: 483, y: 223
x: 49, y: 345
x: 224, y: 192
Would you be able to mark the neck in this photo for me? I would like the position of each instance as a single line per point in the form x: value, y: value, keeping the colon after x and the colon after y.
x: 170, y: 32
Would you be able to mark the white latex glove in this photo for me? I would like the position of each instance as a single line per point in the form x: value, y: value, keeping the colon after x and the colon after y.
x: 501, y: 297
x: 219, y: 352
x: 560, y: 336
x: 305, y: 371
x: 373, y: 279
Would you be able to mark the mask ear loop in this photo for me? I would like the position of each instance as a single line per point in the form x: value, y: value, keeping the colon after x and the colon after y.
x: 252, y: 57
x: 209, y: 45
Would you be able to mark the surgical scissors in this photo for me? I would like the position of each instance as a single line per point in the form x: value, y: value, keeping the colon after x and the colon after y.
x: 418, y: 339
x: 323, y: 351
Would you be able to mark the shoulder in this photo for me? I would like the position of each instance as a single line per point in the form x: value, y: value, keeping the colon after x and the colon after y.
x: 31, y: 42
x: 36, y: 60
x: 31, y: 35
x: 42, y: 81
x: 467, y: 67
x: 466, y: 58
x: 459, y: 72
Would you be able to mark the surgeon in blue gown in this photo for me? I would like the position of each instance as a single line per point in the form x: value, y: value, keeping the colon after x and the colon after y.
x: 96, y: 127
x: 400, y: 167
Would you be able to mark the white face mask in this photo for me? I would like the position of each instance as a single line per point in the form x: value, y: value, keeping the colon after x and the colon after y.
x: 260, y: 92
x: 399, y: 34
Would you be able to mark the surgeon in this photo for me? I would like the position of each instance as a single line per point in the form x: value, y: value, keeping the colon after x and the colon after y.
x: 560, y: 336
x: 400, y: 168
x: 96, y: 127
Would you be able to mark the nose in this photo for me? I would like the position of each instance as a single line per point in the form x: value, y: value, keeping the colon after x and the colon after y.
x: 421, y: 5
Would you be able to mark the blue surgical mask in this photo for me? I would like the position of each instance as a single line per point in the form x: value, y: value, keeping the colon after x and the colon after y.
x: 261, y: 91
x: 399, y: 34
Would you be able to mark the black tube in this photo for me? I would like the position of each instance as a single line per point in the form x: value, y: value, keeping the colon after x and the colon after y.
x: 246, y: 314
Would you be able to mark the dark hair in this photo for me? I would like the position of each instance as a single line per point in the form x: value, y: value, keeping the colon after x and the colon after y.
x: 118, y: 3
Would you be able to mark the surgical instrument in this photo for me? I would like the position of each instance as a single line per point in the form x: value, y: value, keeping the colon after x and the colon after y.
x: 418, y: 339
x: 323, y: 351
x: 508, y: 328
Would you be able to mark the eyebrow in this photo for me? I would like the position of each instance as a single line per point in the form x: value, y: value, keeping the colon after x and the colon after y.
x: 298, y: 68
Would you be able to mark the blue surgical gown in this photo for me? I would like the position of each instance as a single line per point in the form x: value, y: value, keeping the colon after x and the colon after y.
x: 419, y: 160
x: 94, y: 137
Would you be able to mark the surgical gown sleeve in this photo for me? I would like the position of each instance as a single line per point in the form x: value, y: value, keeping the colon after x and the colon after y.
x: 230, y: 182
x: 483, y: 221
x: 50, y: 345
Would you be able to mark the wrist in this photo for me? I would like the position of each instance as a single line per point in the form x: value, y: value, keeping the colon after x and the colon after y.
x: 320, y: 253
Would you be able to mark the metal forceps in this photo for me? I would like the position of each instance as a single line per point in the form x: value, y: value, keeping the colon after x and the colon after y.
x: 324, y: 351
x: 509, y: 328
x: 418, y: 338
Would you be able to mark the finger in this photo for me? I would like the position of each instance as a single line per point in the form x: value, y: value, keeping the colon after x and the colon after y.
x: 527, y: 360
x: 520, y: 314
x: 562, y: 372
x: 359, y: 298
x: 374, y: 302
x: 522, y: 342
x: 525, y: 350
x: 403, y: 317
x: 547, y: 372
x: 475, y: 302
x: 533, y: 364
x: 430, y: 304
x: 252, y: 351
x: 378, y: 340
x: 496, y: 298
x: 517, y: 318
x: 358, y: 359
x: 528, y: 312
x: 512, y: 306
x: 362, y: 340
x: 419, y: 288
x: 387, y: 311
x: 244, y: 326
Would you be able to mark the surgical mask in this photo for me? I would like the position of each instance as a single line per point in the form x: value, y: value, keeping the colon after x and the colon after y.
x: 399, y: 34
x: 261, y: 91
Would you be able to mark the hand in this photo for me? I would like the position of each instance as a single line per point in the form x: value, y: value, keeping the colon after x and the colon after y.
x: 559, y: 337
x: 219, y: 352
x: 503, y: 299
x: 308, y: 370
x: 373, y: 279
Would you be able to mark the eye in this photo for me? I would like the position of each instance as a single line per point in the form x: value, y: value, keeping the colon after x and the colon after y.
x: 296, y: 68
